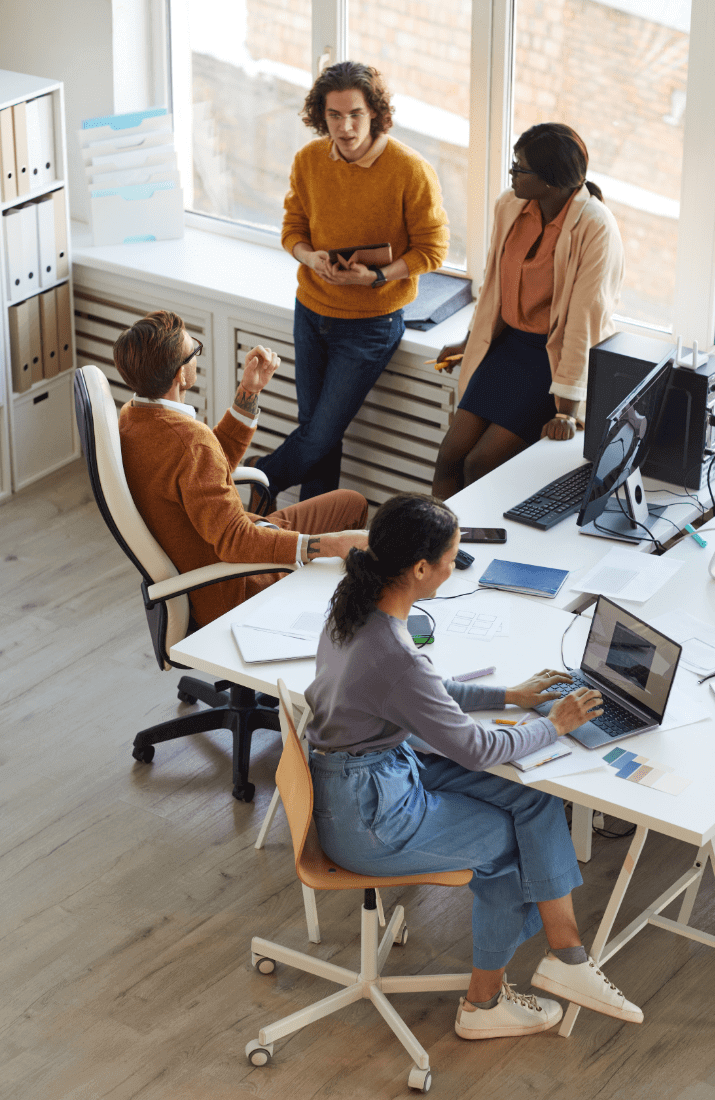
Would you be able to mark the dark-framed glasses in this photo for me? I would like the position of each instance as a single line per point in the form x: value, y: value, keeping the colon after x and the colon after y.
x: 196, y: 352
x: 516, y: 169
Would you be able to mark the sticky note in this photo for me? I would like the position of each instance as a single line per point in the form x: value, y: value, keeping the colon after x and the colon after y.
x: 613, y: 755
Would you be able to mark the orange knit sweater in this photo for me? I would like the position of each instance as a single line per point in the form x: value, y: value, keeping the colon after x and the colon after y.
x: 179, y: 474
x: 334, y: 204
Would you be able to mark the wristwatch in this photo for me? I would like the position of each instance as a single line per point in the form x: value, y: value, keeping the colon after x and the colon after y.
x: 380, y: 276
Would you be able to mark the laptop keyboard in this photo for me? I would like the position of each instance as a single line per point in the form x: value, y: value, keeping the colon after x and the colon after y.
x: 615, y: 721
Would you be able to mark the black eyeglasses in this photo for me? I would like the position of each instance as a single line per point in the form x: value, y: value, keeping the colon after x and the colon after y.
x: 516, y: 169
x: 196, y: 352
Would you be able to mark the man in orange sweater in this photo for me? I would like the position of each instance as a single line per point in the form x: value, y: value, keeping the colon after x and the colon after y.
x: 179, y: 471
x: 354, y: 186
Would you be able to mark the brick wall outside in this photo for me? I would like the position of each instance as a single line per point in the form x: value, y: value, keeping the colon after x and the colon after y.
x: 610, y: 75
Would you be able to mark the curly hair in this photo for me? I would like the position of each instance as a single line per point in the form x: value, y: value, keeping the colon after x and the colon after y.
x: 558, y: 155
x: 406, y: 529
x: 344, y: 77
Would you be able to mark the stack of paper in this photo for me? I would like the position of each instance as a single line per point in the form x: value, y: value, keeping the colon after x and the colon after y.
x: 131, y: 170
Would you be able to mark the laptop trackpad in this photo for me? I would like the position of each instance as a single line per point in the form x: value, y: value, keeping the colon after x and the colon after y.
x: 589, y: 734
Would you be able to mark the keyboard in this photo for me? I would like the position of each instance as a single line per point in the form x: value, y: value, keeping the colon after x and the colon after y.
x: 556, y: 501
x: 615, y: 721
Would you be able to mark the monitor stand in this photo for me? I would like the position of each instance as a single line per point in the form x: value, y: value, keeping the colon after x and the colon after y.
x: 620, y: 520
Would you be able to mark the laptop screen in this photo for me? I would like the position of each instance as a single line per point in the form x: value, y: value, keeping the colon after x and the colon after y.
x: 631, y: 658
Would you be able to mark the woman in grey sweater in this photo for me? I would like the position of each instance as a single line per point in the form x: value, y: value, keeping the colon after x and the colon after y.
x: 383, y: 808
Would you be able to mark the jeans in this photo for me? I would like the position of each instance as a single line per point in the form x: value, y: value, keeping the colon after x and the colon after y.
x: 392, y: 812
x: 337, y: 362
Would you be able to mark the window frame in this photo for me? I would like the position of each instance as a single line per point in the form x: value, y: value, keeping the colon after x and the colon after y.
x: 491, y: 83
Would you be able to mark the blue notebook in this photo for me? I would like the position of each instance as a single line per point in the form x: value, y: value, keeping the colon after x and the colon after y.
x: 529, y: 580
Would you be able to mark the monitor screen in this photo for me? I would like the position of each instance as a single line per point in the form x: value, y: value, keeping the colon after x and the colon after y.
x: 626, y: 440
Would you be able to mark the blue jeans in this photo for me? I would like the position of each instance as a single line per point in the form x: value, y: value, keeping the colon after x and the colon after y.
x: 392, y: 812
x: 337, y: 362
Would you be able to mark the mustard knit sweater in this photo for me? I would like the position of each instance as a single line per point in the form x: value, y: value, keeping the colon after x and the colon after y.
x: 179, y: 475
x: 335, y: 204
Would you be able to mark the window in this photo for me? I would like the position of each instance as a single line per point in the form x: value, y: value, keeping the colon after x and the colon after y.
x: 616, y: 71
x: 634, y: 77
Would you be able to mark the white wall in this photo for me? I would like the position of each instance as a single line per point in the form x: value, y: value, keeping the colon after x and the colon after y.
x: 68, y: 40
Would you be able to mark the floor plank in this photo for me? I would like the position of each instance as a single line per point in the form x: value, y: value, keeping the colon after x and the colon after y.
x: 129, y: 893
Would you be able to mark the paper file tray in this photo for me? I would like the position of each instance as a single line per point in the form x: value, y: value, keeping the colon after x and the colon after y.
x: 155, y: 174
x: 121, y: 145
x: 133, y: 158
x: 106, y: 127
x: 140, y: 158
x: 142, y: 212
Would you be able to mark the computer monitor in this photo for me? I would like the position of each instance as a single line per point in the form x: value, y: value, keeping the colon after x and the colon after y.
x: 627, y: 437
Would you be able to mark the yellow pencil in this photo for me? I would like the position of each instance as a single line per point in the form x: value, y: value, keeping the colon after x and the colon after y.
x: 447, y: 359
x: 504, y: 722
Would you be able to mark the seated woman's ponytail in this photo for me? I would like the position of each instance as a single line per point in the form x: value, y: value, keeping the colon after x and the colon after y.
x: 406, y: 529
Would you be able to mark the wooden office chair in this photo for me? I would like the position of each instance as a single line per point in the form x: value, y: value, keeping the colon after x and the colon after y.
x: 164, y: 590
x: 317, y: 872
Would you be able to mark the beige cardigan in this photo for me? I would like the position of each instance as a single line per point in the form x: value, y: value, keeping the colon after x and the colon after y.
x: 588, y: 274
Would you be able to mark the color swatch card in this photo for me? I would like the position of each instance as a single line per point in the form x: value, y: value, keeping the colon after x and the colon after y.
x: 648, y: 773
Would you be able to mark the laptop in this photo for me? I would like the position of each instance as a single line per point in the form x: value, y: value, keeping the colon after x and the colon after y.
x: 633, y: 665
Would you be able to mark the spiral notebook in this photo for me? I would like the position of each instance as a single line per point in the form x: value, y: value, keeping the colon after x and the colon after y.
x: 528, y: 580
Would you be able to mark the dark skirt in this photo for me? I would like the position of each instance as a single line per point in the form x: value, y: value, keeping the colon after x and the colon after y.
x: 510, y: 387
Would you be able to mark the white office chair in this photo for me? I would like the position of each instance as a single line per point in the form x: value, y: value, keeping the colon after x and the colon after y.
x: 317, y: 872
x: 164, y: 590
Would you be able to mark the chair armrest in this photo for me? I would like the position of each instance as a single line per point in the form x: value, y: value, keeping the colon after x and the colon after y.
x: 211, y: 574
x: 248, y: 474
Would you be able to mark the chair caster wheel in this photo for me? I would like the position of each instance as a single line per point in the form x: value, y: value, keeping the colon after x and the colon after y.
x: 144, y: 755
x: 259, y: 1055
x: 262, y: 964
x: 420, y: 1079
x: 244, y: 793
x: 401, y: 937
x: 184, y: 697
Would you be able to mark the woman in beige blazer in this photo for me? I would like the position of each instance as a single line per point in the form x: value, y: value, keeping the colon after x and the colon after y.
x: 553, y: 277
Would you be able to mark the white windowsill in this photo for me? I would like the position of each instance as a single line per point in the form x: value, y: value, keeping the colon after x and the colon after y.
x: 237, y: 273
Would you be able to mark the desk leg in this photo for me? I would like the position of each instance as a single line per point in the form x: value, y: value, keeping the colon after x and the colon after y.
x: 581, y: 831
x: 701, y: 860
x: 614, y: 903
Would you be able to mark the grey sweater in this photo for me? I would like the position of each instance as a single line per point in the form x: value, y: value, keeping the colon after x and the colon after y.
x: 377, y: 689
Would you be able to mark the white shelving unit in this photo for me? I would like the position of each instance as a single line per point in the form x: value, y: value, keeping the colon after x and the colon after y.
x: 38, y: 433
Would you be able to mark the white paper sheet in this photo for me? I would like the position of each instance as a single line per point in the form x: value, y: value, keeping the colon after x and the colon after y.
x: 476, y: 618
x: 696, y: 637
x: 628, y: 575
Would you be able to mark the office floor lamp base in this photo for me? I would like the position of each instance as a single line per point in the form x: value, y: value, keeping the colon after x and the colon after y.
x: 232, y: 707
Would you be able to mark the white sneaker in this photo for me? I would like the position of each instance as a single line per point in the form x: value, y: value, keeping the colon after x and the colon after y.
x: 513, y: 1014
x: 586, y: 985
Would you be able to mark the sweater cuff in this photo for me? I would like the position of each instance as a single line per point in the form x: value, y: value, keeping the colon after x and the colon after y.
x: 571, y: 393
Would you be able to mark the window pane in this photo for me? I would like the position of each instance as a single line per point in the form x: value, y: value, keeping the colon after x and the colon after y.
x: 423, y: 51
x: 616, y: 71
x: 250, y: 71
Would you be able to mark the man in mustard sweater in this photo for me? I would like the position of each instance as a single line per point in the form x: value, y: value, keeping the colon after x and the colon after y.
x: 353, y: 186
x: 179, y: 471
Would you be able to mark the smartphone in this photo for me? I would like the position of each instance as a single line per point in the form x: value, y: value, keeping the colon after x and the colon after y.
x: 483, y: 534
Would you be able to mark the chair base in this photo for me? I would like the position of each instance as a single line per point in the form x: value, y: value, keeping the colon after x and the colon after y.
x: 232, y: 707
x: 366, y: 984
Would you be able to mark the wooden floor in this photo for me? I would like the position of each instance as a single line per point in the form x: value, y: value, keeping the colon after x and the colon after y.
x: 129, y: 893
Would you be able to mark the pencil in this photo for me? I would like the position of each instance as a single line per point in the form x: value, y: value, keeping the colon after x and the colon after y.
x: 504, y: 722
x: 447, y: 359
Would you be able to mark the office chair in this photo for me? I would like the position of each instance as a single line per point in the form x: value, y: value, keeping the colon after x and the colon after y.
x: 164, y: 590
x: 316, y: 871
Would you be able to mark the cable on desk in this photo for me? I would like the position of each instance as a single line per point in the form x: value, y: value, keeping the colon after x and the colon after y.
x: 681, y: 496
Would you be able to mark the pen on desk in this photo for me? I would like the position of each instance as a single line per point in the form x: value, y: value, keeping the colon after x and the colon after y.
x: 504, y: 722
x: 464, y: 676
x: 694, y: 534
x: 708, y: 677
x: 423, y: 639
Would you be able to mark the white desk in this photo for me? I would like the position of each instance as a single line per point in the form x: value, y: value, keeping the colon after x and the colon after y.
x: 534, y: 642
x: 563, y: 547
